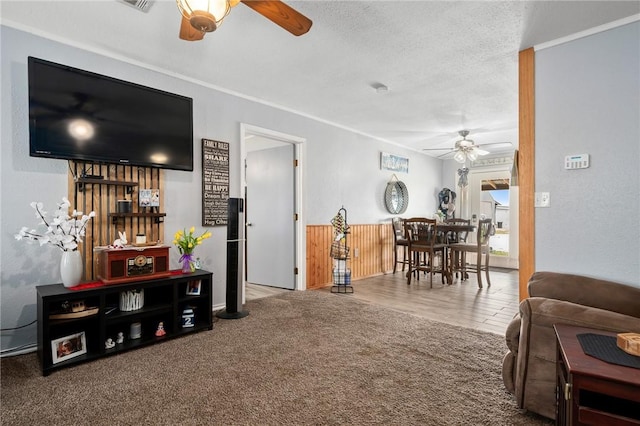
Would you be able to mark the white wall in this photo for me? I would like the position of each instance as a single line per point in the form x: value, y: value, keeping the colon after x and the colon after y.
x: 588, y: 102
x: 342, y: 169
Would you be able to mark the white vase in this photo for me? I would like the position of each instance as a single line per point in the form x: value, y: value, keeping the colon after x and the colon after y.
x: 71, y: 268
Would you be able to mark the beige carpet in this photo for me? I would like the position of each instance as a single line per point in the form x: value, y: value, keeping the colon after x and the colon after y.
x: 298, y: 358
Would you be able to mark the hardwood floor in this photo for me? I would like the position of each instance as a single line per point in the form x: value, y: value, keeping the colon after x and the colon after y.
x: 256, y: 291
x: 462, y: 303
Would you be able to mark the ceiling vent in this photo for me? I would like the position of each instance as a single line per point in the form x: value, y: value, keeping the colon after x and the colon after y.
x: 143, y: 5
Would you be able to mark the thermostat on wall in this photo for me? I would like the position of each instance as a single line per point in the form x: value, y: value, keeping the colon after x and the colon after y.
x: 580, y: 161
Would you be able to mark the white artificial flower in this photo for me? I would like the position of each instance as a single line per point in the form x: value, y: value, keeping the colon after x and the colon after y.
x: 63, y: 231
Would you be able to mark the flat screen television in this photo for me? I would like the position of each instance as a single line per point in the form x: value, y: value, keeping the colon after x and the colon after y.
x: 80, y: 115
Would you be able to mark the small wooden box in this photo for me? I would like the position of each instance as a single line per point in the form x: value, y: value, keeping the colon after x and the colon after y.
x: 629, y: 342
x: 115, y: 266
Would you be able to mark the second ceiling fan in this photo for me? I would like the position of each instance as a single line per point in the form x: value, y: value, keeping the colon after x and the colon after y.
x: 465, y: 148
x: 203, y: 16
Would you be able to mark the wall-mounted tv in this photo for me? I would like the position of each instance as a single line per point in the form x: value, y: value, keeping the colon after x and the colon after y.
x: 81, y: 115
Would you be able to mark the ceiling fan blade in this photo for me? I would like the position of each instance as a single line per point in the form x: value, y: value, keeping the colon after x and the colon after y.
x: 445, y: 154
x: 281, y: 14
x: 438, y: 149
x: 480, y: 151
x: 187, y: 32
x: 496, y: 144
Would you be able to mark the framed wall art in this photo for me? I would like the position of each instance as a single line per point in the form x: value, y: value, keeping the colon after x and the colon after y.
x: 394, y: 163
x: 215, y: 182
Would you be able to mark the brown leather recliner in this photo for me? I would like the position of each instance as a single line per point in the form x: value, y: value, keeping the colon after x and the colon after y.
x: 529, y: 368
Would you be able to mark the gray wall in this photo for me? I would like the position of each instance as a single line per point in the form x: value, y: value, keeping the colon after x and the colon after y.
x: 588, y: 101
x: 341, y: 169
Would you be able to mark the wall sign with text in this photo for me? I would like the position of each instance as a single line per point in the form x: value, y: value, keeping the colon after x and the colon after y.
x: 215, y: 182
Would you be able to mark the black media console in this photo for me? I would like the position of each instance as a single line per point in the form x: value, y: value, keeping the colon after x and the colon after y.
x: 75, y: 326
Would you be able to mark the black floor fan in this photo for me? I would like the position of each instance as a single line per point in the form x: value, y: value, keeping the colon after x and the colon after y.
x: 235, y: 247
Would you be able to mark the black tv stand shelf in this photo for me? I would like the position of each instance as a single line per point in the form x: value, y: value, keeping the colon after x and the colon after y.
x: 82, y: 181
x: 165, y: 300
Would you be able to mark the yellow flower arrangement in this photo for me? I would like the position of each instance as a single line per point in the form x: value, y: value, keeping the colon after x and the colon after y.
x: 186, y: 242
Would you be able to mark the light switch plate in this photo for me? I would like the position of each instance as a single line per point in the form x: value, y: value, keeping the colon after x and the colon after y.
x: 542, y: 199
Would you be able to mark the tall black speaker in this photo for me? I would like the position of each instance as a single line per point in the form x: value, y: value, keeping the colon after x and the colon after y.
x: 235, y: 250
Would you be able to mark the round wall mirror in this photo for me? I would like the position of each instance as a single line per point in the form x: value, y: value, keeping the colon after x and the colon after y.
x: 396, y: 197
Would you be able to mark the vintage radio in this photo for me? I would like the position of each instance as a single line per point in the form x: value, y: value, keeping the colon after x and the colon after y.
x: 115, y: 266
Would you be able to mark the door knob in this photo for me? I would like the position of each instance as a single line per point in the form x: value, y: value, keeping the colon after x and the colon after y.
x: 249, y: 224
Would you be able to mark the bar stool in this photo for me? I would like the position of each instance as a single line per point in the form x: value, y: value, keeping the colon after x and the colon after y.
x: 399, y: 241
x: 480, y: 247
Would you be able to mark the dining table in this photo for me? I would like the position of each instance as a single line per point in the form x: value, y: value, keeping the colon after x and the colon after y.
x: 454, y: 227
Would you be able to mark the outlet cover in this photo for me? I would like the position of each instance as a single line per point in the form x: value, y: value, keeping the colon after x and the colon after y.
x: 542, y: 199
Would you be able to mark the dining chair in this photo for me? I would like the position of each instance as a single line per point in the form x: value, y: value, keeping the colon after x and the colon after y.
x: 426, y: 251
x: 480, y: 247
x: 455, y: 237
x: 399, y: 241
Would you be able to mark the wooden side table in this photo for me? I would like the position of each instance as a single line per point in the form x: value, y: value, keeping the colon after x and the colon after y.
x: 590, y: 391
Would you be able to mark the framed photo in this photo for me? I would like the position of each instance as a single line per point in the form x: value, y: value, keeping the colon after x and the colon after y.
x: 149, y: 198
x: 193, y: 288
x: 68, y: 347
x: 394, y: 163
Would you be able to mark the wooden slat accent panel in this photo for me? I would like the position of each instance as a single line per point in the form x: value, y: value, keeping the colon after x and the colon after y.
x: 526, y: 169
x: 102, y: 199
x: 371, y: 252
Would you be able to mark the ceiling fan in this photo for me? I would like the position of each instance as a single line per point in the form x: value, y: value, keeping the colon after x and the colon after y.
x: 465, y: 148
x: 203, y: 16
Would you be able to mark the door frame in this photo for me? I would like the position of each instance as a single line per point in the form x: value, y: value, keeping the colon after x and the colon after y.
x: 526, y: 168
x: 299, y: 148
x: 513, y: 260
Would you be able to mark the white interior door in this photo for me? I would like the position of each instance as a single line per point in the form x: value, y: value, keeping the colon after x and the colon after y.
x: 270, y: 215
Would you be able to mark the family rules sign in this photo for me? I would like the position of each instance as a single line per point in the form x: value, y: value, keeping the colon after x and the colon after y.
x: 215, y: 182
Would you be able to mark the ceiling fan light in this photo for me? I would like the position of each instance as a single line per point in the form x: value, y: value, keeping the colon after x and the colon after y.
x: 203, y: 21
x: 473, y: 155
x: 204, y: 15
x: 464, y: 143
x: 460, y: 157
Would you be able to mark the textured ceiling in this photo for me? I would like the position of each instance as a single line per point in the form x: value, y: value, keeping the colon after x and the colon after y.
x: 449, y: 65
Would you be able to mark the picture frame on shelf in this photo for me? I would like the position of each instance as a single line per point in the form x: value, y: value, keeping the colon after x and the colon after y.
x: 193, y: 288
x: 68, y: 347
x: 149, y: 197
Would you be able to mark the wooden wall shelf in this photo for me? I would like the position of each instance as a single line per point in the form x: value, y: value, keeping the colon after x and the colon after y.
x: 159, y: 217
x: 81, y: 182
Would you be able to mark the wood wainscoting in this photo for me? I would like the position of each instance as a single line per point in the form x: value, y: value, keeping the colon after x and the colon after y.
x: 370, y: 252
